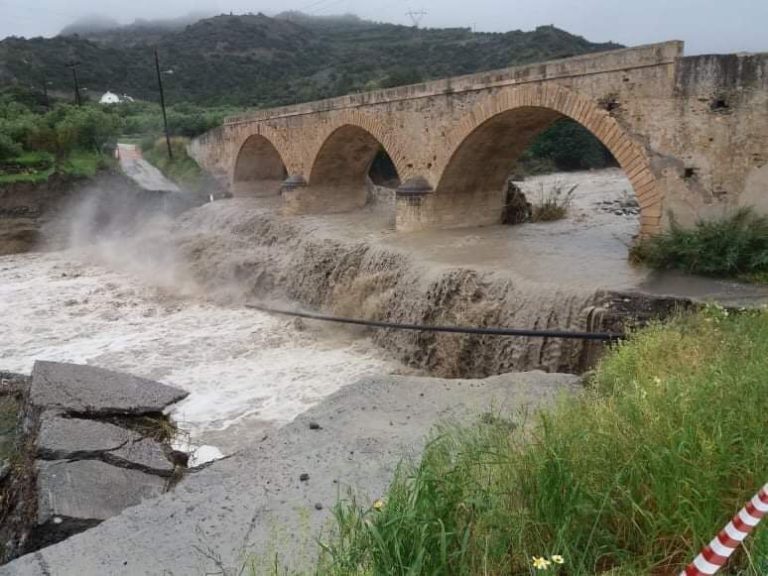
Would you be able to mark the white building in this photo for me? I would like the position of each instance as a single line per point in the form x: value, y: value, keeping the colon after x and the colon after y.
x: 109, y: 98
x: 112, y: 98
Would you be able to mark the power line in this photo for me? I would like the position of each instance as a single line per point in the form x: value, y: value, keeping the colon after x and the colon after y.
x: 73, y: 66
x: 565, y: 334
x: 162, y: 104
x: 416, y: 16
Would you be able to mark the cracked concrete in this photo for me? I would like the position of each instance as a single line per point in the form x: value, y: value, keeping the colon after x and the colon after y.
x: 97, y: 392
x: 78, y: 471
x: 77, y: 439
x: 255, y: 505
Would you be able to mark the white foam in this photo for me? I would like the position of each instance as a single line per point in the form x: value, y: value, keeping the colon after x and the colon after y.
x: 234, y: 362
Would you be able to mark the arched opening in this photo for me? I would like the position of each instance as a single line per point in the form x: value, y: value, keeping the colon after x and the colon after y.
x: 259, y: 169
x: 566, y: 146
x: 351, y: 169
x: 542, y: 154
x: 567, y: 173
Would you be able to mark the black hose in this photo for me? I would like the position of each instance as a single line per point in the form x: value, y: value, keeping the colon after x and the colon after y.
x: 600, y: 336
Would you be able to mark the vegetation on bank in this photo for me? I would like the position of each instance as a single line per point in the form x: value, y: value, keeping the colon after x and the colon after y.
x: 37, y: 141
x: 40, y: 137
x: 563, y: 147
x: 632, y: 477
x: 554, y: 204
x: 735, y: 247
x: 182, y: 169
x: 255, y: 60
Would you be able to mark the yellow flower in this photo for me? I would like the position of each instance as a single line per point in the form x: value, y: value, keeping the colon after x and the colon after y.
x: 557, y: 559
x: 541, y: 563
x: 378, y: 505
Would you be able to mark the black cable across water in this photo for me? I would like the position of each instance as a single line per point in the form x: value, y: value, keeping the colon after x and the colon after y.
x: 571, y: 335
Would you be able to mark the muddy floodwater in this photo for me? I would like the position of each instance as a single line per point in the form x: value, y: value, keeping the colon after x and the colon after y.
x: 168, y: 304
x: 241, y: 366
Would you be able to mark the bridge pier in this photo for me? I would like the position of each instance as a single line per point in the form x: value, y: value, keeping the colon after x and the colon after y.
x: 690, y: 133
x: 301, y: 198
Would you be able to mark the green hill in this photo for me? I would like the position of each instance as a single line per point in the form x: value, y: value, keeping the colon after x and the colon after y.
x: 255, y: 60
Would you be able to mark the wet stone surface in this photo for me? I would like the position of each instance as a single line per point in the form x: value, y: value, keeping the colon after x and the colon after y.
x: 76, y: 439
x: 90, y: 489
x: 99, y: 449
x: 95, y: 391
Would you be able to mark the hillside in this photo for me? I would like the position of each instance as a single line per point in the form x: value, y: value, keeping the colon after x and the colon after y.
x: 255, y: 60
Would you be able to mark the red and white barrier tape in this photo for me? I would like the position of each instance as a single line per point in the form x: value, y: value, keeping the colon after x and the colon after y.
x: 716, y: 554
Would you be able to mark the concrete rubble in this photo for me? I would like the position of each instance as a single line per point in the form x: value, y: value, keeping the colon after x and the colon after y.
x: 96, y: 443
x: 276, y: 499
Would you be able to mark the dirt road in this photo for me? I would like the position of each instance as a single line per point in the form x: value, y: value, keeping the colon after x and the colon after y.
x: 141, y: 171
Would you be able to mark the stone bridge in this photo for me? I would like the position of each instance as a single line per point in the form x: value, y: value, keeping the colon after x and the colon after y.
x: 690, y: 133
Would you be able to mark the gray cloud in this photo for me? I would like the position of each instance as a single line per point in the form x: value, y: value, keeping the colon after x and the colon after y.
x: 705, y: 25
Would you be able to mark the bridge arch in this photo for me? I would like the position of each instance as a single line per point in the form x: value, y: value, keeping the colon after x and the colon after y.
x: 483, y: 147
x: 259, y: 168
x: 339, y: 170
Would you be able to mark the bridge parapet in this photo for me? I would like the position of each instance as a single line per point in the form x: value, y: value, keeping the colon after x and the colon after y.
x: 691, y: 133
x: 561, y: 69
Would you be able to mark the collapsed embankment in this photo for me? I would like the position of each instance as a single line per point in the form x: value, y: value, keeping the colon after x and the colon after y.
x: 236, y: 250
x: 39, y: 215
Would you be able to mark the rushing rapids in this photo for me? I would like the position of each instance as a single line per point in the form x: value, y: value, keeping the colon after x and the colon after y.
x: 165, y: 299
x: 256, y: 255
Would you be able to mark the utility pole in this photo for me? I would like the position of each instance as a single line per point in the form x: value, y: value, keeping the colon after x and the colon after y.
x: 416, y: 16
x: 73, y: 66
x: 162, y: 104
x: 45, y: 90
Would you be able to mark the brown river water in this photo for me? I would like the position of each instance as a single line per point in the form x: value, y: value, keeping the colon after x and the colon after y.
x: 166, y: 301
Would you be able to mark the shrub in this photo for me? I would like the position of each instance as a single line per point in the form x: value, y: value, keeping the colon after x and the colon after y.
x: 553, y: 205
x: 632, y: 477
x: 733, y: 246
x: 182, y: 169
x: 8, y: 148
x: 147, y: 143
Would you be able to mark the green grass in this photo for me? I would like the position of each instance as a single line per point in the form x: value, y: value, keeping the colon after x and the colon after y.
x: 9, y: 416
x: 38, y: 167
x: 631, y: 478
x: 27, y: 167
x: 735, y: 246
x: 183, y: 170
x: 34, y: 159
x: 83, y: 164
x: 33, y: 177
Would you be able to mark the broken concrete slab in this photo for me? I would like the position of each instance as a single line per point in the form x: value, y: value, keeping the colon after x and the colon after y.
x: 252, y: 505
x: 74, y: 438
x: 97, y: 392
x: 77, y: 439
x: 146, y: 454
x: 90, y: 490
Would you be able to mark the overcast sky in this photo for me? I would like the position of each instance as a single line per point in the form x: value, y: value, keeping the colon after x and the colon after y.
x: 707, y: 26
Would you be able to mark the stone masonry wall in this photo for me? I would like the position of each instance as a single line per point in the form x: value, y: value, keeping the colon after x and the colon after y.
x: 691, y: 133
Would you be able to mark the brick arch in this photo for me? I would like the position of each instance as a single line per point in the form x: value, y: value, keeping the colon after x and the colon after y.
x: 388, y: 139
x: 543, y: 104
x: 275, y: 137
x: 259, y: 165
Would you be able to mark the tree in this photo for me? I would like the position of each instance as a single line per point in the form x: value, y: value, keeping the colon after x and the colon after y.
x: 8, y: 148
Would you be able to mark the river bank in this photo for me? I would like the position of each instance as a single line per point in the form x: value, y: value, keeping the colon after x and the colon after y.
x: 162, y: 296
x: 271, y: 500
